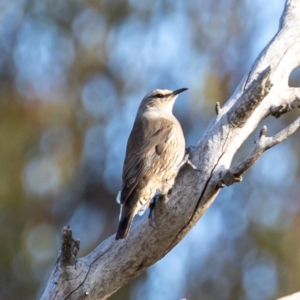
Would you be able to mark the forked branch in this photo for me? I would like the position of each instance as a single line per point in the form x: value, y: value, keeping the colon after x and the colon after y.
x: 264, y: 143
x: 293, y: 101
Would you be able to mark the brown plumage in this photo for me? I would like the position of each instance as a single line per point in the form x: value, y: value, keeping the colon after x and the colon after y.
x: 155, y: 149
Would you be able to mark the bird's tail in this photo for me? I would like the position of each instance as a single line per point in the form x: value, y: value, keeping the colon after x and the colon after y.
x: 127, y: 215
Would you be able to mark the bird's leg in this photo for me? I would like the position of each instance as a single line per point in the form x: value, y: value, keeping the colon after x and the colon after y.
x: 158, y: 197
x: 151, y: 209
x: 187, y: 161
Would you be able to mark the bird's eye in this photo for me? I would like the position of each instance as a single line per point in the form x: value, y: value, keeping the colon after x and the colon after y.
x: 159, y: 95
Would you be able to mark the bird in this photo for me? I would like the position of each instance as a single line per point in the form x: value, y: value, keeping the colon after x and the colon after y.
x: 155, y: 151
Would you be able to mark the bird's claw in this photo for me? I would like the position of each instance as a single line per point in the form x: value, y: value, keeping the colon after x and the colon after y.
x: 151, y: 209
x: 186, y: 160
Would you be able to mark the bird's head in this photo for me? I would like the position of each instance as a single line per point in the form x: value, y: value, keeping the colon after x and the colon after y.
x: 160, y: 99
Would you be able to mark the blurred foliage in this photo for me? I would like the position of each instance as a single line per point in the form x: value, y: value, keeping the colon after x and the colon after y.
x: 72, y: 74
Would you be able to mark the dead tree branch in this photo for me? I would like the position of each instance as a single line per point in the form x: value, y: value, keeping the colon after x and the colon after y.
x: 295, y: 296
x: 263, y: 92
x: 292, y: 96
x: 234, y: 174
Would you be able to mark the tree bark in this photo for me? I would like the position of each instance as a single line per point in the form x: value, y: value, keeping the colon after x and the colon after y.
x: 263, y: 92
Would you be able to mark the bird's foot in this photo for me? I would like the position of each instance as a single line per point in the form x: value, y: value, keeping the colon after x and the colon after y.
x: 186, y: 160
x: 151, y: 209
x: 157, y: 197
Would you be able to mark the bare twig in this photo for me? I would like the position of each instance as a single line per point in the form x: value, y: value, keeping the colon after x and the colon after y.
x: 293, y: 99
x: 69, y: 247
x: 264, y: 143
x: 218, y: 108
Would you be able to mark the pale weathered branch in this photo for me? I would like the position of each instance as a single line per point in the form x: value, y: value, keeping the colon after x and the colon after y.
x: 292, y: 97
x: 295, y: 296
x: 114, y: 263
x: 234, y: 174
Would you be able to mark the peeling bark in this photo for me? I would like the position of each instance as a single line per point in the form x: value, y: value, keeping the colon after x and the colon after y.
x: 263, y: 92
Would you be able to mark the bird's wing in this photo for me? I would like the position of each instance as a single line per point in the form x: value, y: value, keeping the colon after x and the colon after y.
x: 147, y: 141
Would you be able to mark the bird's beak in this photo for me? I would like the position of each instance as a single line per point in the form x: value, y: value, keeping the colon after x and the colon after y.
x: 179, y: 91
